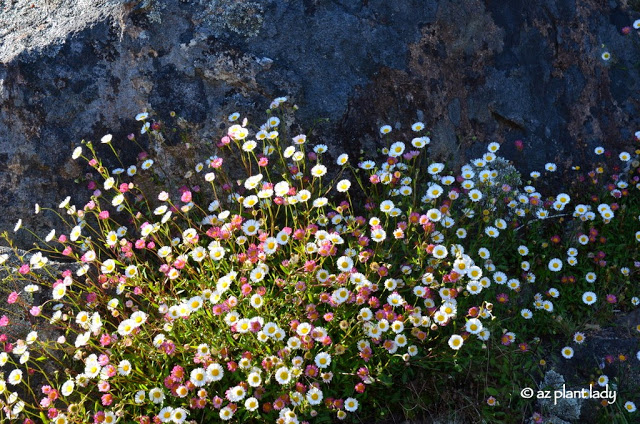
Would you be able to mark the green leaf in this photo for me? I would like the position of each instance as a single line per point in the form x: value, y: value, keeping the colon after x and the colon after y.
x: 385, y: 379
x: 491, y: 391
x: 323, y: 419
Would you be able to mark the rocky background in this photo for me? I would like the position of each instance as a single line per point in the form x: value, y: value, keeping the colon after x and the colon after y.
x: 474, y: 71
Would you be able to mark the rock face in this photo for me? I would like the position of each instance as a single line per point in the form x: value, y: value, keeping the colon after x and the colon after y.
x: 474, y: 71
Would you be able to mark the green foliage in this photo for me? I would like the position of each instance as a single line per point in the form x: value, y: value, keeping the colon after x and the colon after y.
x: 262, y: 290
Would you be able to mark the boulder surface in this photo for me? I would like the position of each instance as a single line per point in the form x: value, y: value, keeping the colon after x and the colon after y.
x: 474, y: 71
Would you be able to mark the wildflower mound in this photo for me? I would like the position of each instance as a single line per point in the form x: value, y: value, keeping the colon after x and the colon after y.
x: 301, y: 285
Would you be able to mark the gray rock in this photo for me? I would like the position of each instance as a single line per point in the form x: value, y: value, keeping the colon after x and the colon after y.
x: 478, y: 71
x: 559, y: 410
x: 21, y: 322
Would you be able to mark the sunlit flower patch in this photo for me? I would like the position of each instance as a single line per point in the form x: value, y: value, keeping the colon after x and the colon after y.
x: 294, y: 290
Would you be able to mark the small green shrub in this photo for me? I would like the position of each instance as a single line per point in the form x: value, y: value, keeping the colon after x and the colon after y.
x: 269, y: 292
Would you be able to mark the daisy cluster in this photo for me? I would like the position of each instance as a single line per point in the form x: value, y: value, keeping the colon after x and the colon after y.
x: 283, y: 295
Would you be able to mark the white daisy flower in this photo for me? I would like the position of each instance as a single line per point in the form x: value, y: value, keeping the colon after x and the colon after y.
x: 455, y: 342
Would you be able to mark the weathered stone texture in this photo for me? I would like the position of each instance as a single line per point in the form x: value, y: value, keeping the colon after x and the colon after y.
x: 474, y: 71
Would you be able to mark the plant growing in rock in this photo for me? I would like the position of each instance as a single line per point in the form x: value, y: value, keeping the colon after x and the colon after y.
x: 271, y: 292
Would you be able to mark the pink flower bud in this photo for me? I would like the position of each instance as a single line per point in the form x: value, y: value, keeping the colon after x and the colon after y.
x: 519, y: 145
